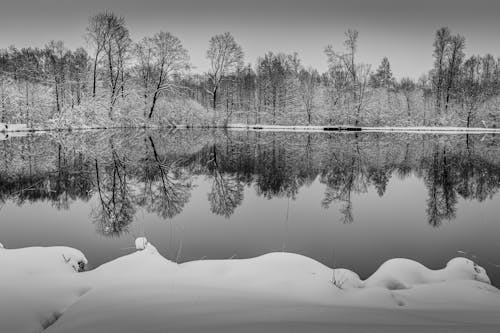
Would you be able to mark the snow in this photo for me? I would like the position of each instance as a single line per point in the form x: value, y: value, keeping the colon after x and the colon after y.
x: 10, y: 135
x: 277, y: 128
x: 328, y: 128
x: 276, y: 292
x: 432, y: 129
x: 141, y: 243
x: 13, y: 127
x: 404, y: 273
x: 36, y: 285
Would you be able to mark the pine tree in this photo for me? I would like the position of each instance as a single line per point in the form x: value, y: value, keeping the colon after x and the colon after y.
x: 383, y: 75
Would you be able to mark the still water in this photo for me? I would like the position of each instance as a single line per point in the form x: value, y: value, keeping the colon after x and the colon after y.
x: 349, y: 200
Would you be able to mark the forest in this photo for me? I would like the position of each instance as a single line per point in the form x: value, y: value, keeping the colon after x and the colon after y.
x: 117, y: 82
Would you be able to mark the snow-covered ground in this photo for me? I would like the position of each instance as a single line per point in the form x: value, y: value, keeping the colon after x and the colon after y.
x: 432, y: 129
x: 421, y: 129
x: 42, y: 290
x: 13, y: 127
x: 276, y: 128
x: 10, y: 135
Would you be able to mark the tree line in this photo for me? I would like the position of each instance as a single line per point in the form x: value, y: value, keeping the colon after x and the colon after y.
x: 116, y: 81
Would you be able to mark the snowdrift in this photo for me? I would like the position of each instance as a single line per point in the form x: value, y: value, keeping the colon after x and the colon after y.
x: 44, y: 289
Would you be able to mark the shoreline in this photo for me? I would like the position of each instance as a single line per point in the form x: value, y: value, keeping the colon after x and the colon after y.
x: 275, y: 128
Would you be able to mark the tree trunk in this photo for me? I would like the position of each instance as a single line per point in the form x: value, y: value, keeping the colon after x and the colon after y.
x: 155, y: 98
x: 214, y: 105
x: 57, y: 99
x: 408, y: 105
x: 95, y: 75
x: 78, y: 93
x: 123, y: 83
x: 450, y: 79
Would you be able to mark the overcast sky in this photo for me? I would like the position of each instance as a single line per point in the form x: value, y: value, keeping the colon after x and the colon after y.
x: 402, y: 30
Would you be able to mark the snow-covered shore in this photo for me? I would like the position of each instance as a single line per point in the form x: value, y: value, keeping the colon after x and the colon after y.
x: 42, y: 290
x: 328, y: 128
x: 21, y: 128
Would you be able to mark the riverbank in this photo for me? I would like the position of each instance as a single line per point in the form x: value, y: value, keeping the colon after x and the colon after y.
x: 342, y: 128
x: 22, y: 128
x: 43, y: 290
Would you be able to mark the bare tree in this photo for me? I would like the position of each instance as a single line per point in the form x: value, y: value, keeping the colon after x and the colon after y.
x: 160, y: 58
x: 78, y: 67
x: 441, y: 51
x: 347, y: 78
x: 116, y: 50
x: 225, y: 56
x: 472, y: 90
x: 457, y: 45
x: 279, y: 85
x: 109, y: 36
x: 407, y: 87
x: 309, y: 82
x: 97, y: 34
x: 360, y: 90
x: 351, y: 44
x: 143, y: 51
x: 56, y: 56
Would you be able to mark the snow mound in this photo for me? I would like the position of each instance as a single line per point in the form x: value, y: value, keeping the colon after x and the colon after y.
x: 42, y: 260
x: 404, y: 273
x: 141, y: 243
x: 145, y: 292
x: 346, y: 279
x: 37, y: 284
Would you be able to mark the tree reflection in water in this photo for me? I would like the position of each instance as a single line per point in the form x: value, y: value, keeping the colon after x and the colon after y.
x: 124, y: 171
x: 115, y: 210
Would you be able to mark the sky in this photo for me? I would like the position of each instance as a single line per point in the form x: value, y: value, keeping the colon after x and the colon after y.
x: 402, y: 30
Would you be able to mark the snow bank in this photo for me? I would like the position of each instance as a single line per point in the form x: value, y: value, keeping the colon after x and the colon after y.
x: 433, y: 129
x: 42, y: 260
x: 12, y: 127
x: 276, y: 292
x: 20, y: 128
x: 36, y: 285
x: 404, y: 273
x: 281, y: 128
x: 328, y: 128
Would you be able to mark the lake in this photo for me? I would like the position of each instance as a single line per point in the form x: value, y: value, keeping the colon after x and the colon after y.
x: 349, y: 200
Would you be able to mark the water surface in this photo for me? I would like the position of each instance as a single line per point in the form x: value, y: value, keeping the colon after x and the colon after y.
x: 348, y: 200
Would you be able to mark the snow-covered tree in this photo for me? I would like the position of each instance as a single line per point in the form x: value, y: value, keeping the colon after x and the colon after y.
x: 383, y: 76
x: 160, y: 59
x: 225, y: 57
